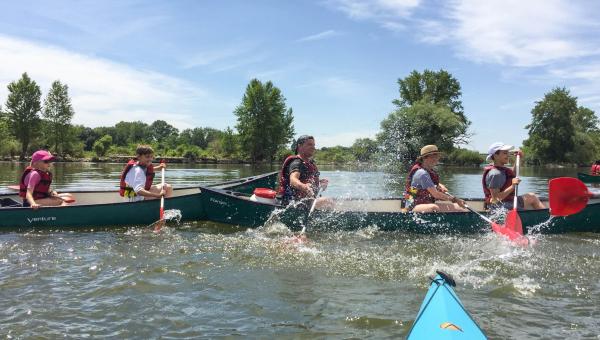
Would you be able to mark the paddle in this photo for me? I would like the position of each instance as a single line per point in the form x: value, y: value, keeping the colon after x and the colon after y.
x: 567, y: 196
x: 159, y: 224
x: 513, y: 221
x: 516, y: 238
x: 312, y: 208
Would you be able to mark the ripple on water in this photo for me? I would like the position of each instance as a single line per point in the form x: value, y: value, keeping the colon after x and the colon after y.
x: 196, y: 281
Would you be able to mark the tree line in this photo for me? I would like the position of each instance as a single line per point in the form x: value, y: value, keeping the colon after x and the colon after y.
x: 264, y: 128
x: 428, y: 111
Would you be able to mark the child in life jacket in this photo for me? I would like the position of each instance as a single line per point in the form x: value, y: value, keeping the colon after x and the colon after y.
x: 137, y: 177
x: 34, y: 187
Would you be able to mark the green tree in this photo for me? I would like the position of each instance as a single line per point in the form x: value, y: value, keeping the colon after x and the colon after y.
x: 161, y: 130
x: 407, y: 129
x: 58, y: 111
x: 435, y: 87
x: 264, y: 123
x: 552, y: 128
x: 102, y: 145
x: 87, y: 136
x: 363, y: 149
x: 229, y: 142
x: 131, y: 132
x: 22, y: 110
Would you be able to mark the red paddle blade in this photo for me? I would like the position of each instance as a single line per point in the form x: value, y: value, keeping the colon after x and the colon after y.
x: 514, y: 237
x: 567, y: 195
x: 513, y: 222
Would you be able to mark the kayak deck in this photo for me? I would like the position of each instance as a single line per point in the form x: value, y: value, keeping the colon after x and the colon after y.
x: 442, y: 314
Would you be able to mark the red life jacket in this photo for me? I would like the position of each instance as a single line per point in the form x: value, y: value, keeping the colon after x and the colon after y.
x: 422, y: 196
x: 149, y: 177
x: 595, y: 169
x: 509, y: 177
x: 41, y: 189
x: 310, y: 175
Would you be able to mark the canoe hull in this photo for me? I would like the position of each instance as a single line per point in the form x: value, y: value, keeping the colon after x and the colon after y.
x: 588, y: 178
x: 107, y: 209
x: 229, y: 207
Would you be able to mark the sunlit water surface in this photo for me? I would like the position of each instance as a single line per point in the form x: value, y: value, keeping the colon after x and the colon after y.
x: 210, y: 280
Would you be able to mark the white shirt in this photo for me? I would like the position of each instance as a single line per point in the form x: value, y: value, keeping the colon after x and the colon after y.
x: 136, y: 179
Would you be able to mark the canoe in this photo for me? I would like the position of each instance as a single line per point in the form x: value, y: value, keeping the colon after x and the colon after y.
x: 231, y: 207
x: 442, y: 314
x: 588, y: 178
x: 107, y: 208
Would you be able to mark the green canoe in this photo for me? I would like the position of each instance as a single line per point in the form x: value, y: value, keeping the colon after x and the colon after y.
x: 107, y: 208
x: 588, y: 178
x: 228, y: 206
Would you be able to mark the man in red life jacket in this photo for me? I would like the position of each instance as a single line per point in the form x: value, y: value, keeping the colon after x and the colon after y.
x: 34, y: 186
x: 499, y: 182
x: 137, y: 177
x: 423, y: 185
x: 299, y: 175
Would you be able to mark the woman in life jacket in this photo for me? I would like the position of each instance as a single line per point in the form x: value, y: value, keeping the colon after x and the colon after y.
x: 299, y: 176
x: 499, y: 182
x: 137, y: 176
x: 34, y: 186
x: 424, y: 192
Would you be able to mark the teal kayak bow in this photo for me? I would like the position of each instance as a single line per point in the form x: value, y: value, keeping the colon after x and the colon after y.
x: 442, y: 315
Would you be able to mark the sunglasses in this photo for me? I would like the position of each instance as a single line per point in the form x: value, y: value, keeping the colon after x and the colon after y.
x: 47, y: 162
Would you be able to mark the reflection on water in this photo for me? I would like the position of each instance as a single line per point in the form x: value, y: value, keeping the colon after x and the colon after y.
x: 209, y: 280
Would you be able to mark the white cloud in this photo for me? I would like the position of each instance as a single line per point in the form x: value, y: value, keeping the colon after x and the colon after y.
x: 343, y: 138
x: 517, y: 33
x: 102, y: 92
x: 387, y: 13
x: 319, y: 36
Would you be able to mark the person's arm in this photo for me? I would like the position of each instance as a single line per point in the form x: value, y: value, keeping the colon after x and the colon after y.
x: 34, y: 179
x: 496, y: 181
x: 302, y: 187
x: 437, y: 194
x: 139, y: 181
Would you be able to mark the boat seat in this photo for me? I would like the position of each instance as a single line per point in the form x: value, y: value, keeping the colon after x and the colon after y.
x: 9, y: 202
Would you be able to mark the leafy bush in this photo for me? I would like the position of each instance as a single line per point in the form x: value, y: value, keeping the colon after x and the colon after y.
x: 464, y: 157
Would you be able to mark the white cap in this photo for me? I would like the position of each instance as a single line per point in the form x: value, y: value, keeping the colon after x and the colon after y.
x: 498, y: 146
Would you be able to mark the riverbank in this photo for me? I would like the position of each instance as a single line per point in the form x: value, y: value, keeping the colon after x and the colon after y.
x: 207, y: 160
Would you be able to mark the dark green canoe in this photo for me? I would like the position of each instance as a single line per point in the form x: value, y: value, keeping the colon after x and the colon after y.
x: 228, y: 206
x: 107, y: 208
x: 588, y: 178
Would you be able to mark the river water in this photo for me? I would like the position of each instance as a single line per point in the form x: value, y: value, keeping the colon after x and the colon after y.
x: 206, y: 280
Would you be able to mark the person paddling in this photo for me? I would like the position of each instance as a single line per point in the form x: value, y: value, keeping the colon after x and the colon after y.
x: 34, y: 186
x: 423, y: 188
x: 137, y: 177
x: 499, y: 182
x: 595, y: 169
x: 299, y: 175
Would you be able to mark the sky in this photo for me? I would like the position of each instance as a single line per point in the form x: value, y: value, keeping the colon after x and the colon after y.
x: 337, y: 62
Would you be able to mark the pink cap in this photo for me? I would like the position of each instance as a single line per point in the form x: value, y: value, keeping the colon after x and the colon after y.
x: 42, y: 155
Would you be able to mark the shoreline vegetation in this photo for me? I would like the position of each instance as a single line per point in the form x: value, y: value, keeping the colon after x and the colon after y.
x: 428, y: 111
